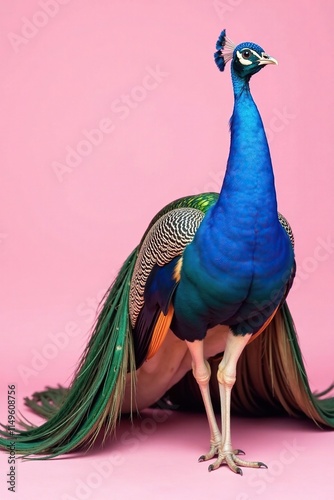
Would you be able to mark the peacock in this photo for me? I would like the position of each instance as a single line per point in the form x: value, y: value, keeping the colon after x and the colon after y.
x: 204, y: 291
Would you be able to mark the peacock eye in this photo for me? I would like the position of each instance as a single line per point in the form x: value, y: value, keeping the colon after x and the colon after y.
x: 246, y: 54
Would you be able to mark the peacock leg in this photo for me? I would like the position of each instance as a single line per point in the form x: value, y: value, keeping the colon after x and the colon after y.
x: 202, y: 373
x: 226, y: 378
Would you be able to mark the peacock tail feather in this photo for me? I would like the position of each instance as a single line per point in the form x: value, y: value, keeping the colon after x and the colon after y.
x: 271, y: 376
x: 75, y: 416
x: 271, y: 379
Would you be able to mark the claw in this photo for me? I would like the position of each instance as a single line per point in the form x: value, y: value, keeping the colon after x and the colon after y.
x: 239, y: 452
x: 233, y: 462
x: 213, y: 452
x: 216, y: 464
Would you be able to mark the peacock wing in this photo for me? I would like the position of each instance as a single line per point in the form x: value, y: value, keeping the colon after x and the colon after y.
x: 157, y: 270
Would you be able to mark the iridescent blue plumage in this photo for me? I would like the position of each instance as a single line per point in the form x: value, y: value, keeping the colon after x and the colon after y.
x: 239, y: 265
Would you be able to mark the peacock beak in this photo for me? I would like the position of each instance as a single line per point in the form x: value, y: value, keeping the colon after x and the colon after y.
x: 266, y: 59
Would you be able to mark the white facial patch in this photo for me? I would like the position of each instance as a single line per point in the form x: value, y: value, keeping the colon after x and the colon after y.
x: 247, y: 62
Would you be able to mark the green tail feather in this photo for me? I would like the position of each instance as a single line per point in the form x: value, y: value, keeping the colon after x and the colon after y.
x: 76, y: 415
x: 271, y: 379
x: 324, y: 408
x: 272, y: 366
x: 47, y: 403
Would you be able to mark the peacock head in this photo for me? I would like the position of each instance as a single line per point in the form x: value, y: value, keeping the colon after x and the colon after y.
x: 247, y: 58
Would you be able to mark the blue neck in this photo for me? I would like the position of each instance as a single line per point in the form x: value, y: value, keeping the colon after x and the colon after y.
x: 248, y: 197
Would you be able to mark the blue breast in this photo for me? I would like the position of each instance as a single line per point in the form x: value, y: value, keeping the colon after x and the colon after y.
x: 237, y: 268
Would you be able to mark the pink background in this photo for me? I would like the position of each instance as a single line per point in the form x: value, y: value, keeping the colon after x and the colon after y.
x: 70, y: 68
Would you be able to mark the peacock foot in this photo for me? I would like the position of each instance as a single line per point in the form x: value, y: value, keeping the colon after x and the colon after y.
x: 214, y: 452
x: 231, y: 459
